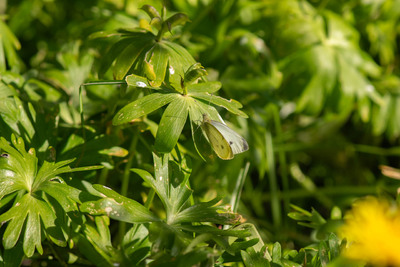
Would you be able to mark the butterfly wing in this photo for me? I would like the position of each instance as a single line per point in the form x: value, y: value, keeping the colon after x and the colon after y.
x: 217, y: 141
x: 237, y: 143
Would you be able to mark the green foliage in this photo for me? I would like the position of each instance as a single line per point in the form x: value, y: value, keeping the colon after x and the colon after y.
x: 8, y: 46
x: 37, y: 195
x: 108, y: 164
x: 179, y: 106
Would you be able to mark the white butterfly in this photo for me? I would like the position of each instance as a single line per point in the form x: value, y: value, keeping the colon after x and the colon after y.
x: 224, y: 141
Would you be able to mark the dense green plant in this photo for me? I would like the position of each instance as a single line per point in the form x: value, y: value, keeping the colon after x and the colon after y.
x: 103, y: 158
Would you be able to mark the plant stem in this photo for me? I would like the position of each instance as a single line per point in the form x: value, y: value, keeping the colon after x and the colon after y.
x: 125, y: 179
x: 275, y: 207
x: 282, y: 160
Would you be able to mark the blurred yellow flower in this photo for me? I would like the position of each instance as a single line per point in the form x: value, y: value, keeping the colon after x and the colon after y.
x: 372, y: 229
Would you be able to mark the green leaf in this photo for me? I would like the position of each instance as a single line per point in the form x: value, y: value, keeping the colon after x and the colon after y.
x: 179, y: 61
x: 254, y: 234
x: 276, y: 253
x: 313, y: 96
x: 334, y: 246
x: 115, y: 151
x: 323, y: 253
x: 173, y: 194
x: 251, y: 257
x: 171, y: 124
x: 113, y: 52
x: 50, y: 170
x: 102, y: 34
x: 9, y: 44
x: 95, y: 242
x: 394, y: 124
x: 66, y: 196
x: 138, y: 81
x: 165, y: 237
x: 118, y: 207
x: 15, y: 115
x: 6, y: 91
x: 179, y: 191
x: 32, y: 208
x: 136, y: 244
x: 19, y: 167
x: 12, y: 257
x: 207, y: 212
x: 230, y: 105
x: 194, y: 73
x: 242, y: 245
x: 128, y: 56
x: 176, y: 19
x: 29, y: 209
x: 151, y: 11
x: 207, y: 87
x: 142, y: 106
x: 159, y: 56
x: 159, y: 187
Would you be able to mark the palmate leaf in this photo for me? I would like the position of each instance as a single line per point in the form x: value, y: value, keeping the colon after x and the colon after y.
x: 162, y: 65
x: 196, y: 103
x: 144, y: 53
x: 35, y: 189
x: 182, y: 222
x: 175, y: 194
x: 31, y: 212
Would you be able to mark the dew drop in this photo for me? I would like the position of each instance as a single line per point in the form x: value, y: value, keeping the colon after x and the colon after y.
x: 370, y: 88
x: 171, y: 70
x: 141, y: 84
x: 108, y: 210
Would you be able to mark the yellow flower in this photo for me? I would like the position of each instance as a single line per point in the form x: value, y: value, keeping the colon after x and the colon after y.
x: 372, y: 229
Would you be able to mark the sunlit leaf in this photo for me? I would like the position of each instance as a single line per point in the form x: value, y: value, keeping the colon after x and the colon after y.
x: 171, y: 124
x: 142, y: 106
x: 118, y: 207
